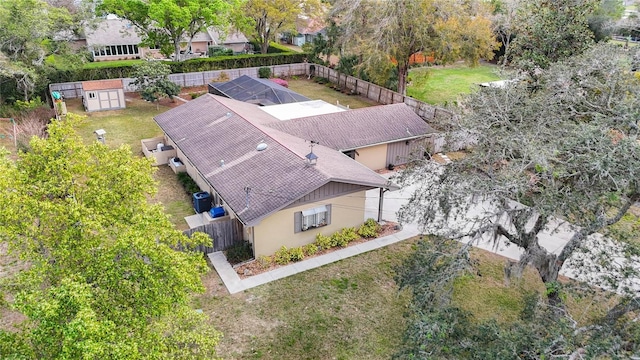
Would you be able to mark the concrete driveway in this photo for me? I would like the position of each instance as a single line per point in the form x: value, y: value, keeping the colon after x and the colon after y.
x: 579, y: 266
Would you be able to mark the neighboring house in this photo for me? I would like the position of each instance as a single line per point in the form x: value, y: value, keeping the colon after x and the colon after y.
x: 235, y: 41
x: 284, y: 189
x: 117, y: 39
x: 256, y: 91
x: 99, y: 95
x: 114, y: 39
x: 308, y: 29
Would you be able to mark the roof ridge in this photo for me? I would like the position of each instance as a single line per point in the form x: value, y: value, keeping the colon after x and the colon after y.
x: 260, y: 127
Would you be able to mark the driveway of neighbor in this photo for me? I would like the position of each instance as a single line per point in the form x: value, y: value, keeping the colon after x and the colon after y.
x: 553, y: 240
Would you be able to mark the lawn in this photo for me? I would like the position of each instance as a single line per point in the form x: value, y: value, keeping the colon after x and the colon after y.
x: 128, y: 126
x: 316, y: 91
x: 444, y: 84
x: 352, y: 309
x: 346, y: 310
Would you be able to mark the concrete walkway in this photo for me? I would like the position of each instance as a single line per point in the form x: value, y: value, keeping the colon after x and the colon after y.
x: 235, y: 284
x: 553, y: 239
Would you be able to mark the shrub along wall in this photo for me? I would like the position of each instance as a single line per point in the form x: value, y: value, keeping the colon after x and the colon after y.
x: 193, y: 65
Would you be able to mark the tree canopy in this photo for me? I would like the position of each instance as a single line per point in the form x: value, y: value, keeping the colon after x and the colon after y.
x: 103, y: 278
x: 171, y: 22
x: 560, y: 147
x: 439, y: 328
x: 550, y: 31
x: 152, y: 80
x: 268, y: 18
x: 29, y: 28
x: 381, y: 32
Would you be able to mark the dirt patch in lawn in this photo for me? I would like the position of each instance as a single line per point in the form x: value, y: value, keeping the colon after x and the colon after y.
x: 186, y: 94
x: 255, y: 267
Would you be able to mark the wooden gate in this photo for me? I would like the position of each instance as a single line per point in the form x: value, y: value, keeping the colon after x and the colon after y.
x: 225, y: 233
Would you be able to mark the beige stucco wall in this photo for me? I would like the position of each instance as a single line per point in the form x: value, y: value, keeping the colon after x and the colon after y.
x: 278, y: 229
x: 373, y: 157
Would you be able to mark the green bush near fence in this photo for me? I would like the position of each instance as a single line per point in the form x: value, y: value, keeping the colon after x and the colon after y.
x: 124, y: 69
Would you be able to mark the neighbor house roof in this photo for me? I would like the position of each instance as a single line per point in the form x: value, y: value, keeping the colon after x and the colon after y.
x: 358, y: 127
x: 122, y: 32
x: 213, y: 35
x: 219, y: 137
x: 112, y: 32
x: 102, y: 84
x: 310, y: 26
x: 262, y: 91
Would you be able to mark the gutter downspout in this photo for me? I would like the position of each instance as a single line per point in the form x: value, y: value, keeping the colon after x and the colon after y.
x: 380, y: 203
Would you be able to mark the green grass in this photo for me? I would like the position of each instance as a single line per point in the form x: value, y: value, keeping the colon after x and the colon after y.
x: 346, y: 310
x: 129, y: 126
x: 353, y: 309
x: 126, y: 126
x: 316, y: 91
x: 110, y: 64
x: 443, y: 85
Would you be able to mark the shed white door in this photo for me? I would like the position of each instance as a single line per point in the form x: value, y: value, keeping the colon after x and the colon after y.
x: 109, y: 99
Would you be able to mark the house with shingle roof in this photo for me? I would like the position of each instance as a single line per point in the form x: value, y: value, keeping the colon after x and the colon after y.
x: 378, y: 136
x: 282, y: 188
x: 117, y: 39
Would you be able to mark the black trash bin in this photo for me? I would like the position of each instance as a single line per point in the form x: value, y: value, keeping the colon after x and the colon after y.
x: 202, y: 201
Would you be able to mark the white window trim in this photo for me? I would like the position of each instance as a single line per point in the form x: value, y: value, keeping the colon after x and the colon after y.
x: 314, y: 218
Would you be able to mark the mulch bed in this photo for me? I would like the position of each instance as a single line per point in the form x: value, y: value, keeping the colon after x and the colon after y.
x: 185, y: 93
x: 254, y: 267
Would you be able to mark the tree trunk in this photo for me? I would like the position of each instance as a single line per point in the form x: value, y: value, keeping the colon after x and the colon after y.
x: 403, y: 70
x: 176, y: 49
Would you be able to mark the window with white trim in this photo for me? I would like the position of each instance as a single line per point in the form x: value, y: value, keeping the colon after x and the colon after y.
x: 312, y: 218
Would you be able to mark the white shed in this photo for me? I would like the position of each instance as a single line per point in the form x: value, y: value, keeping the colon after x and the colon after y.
x: 101, y: 95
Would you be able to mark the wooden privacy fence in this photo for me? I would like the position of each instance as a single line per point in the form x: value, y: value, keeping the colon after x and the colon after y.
x: 73, y: 90
x: 225, y: 233
x: 380, y: 94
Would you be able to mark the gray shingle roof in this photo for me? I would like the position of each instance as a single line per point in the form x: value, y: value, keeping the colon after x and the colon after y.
x: 358, y: 128
x: 121, y: 32
x: 246, y: 88
x: 112, y: 32
x: 211, y: 128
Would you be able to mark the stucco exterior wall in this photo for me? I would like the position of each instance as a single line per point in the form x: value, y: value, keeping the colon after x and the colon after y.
x: 373, y: 157
x: 278, y: 229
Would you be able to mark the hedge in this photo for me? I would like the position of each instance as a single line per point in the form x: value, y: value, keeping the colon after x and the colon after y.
x: 120, y: 70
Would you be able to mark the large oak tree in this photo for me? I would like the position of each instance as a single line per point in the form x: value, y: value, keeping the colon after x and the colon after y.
x: 102, y: 278
x: 561, y: 147
x: 384, y: 31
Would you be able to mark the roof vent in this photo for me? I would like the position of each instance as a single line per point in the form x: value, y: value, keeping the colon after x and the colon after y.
x: 312, y: 158
x: 221, y: 163
x: 261, y: 147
